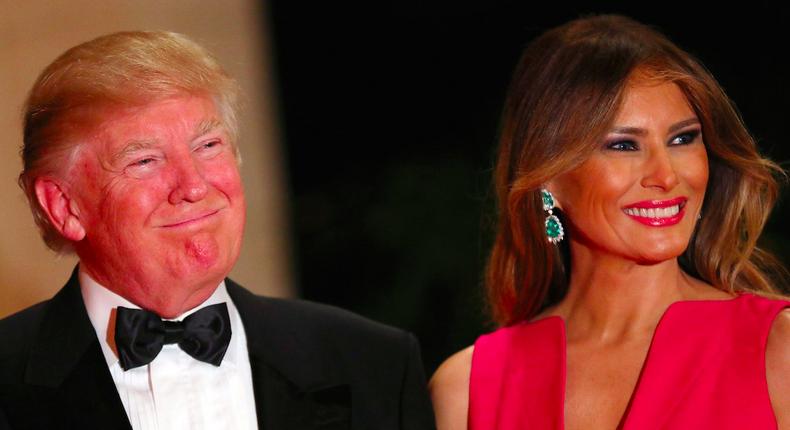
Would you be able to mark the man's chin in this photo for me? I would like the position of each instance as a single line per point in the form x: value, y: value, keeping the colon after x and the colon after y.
x: 202, y: 251
x: 179, y: 295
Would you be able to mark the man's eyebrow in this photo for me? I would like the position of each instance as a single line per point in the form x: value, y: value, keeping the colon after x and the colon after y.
x: 206, y: 126
x: 133, y: 146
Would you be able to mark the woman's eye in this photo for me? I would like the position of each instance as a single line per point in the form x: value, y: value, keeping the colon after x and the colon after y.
x: 685, y: 138
x: 622, y: 145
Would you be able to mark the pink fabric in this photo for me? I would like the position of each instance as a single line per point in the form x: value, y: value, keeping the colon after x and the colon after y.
x: 705, y: 369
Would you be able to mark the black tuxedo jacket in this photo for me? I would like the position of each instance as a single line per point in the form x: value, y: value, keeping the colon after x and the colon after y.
x: 313, y: 367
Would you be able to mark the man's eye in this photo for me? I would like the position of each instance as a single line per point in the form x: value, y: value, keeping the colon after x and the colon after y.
x: 210, y: 144
x: 143, y: 162
x: 622, y: 145
x: 685, y: 138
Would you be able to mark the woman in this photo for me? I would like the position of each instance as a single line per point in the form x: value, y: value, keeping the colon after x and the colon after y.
x: 624, y: 272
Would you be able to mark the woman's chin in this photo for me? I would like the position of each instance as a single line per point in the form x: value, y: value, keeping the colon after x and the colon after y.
x: 657, y: 254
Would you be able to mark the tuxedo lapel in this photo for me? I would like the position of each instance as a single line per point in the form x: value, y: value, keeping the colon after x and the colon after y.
x: 282, y: 405
x: 67, y: 367
x: 292, y: 392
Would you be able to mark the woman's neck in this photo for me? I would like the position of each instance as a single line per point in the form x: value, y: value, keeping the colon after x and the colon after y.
x: 611, y: 299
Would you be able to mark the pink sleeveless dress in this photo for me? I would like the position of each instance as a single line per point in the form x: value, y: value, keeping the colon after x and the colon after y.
x: 705, y: 369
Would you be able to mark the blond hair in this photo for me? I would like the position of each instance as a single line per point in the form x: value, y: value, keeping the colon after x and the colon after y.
x: 120, y: 69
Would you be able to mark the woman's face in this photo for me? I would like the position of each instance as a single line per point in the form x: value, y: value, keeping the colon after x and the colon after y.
x: 638, y: 196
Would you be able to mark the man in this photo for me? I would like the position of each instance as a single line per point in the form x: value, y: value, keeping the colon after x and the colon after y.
x: 130, y: 161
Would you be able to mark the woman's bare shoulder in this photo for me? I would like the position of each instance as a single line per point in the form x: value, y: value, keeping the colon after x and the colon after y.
x: 777, y: 367
x: 449, y: 389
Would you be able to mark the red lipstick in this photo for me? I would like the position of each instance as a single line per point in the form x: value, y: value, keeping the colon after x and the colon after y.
x: 657, y: 213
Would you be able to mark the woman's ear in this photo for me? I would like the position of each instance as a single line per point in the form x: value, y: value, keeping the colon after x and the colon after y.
x: 551, y: 187
x: 61, y: 209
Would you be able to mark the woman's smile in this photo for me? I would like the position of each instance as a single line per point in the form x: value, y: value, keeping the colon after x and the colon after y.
x: 657, y: 213
x: 639, y: 194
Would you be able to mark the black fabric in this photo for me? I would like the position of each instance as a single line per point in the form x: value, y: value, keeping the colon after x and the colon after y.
x: 140, y: 335
x: 313, y: 367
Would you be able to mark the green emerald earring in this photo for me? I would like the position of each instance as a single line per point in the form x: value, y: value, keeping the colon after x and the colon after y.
x: 554, y: 229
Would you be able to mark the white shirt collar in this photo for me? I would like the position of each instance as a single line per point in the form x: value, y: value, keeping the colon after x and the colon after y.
x: 100, y: 303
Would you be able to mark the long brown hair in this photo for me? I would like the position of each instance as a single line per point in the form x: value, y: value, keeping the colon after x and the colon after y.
x: 564, y: 95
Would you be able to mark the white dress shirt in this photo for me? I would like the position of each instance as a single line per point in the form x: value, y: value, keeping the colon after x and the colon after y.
x: 176, y: 391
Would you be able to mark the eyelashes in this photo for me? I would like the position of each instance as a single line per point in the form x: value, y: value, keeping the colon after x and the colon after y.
x: 626, y: 144
x: 686, y: 137
x: 622, y: 145
x: 207, y: 148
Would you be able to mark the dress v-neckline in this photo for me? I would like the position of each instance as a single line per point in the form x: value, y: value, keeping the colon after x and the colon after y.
x: 645, y: 364
x: 704, y: 368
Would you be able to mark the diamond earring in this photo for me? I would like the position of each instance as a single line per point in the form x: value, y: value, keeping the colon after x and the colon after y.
x: 554, y: 229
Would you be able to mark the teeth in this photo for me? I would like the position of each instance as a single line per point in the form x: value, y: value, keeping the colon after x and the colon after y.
x: 654, y: 212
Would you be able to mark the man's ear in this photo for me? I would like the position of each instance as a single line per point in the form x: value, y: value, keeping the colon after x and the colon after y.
x: 61, y: 210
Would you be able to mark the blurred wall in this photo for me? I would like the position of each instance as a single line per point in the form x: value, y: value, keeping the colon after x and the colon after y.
x: 33, y: 33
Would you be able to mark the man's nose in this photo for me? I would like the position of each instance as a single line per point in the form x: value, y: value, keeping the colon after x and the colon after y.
x: 189, y: 185
x: 659, y: 170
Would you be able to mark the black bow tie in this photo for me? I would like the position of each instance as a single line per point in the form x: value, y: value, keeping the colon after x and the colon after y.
x: 140, y: 335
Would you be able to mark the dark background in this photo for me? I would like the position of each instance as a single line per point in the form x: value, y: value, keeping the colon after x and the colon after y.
x: 390, y: 113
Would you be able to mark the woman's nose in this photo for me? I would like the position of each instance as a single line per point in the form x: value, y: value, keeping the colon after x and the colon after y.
x: 660, y: 171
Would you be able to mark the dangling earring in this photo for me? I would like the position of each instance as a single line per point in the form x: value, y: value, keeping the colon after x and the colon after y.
x: 553, y: 226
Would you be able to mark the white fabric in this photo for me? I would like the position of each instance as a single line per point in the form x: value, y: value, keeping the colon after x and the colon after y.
x: 175, y: 391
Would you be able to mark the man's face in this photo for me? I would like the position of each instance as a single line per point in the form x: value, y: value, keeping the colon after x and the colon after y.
x: 158, y: 193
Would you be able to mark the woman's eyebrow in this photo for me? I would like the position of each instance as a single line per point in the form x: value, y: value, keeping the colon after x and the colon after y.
x: 637, y: 131
x: 685, y: 123
x: 629, y: 130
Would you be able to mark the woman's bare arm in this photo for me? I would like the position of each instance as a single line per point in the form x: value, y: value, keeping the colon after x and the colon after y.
x: 449, y: 389
x: 777, y: 368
